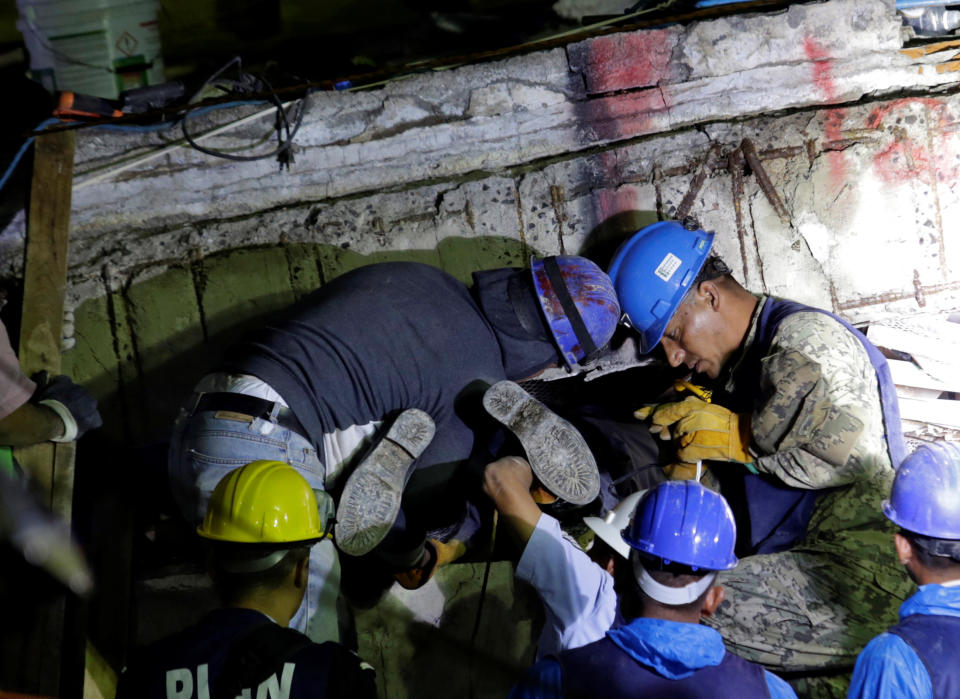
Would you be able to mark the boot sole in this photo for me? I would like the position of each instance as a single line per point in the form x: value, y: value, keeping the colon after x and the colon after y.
x: 557, y: 452
x: 371, y: 496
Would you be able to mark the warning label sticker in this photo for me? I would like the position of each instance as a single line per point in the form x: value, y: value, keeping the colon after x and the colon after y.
x: 126, y: 44
x: 667, y: 266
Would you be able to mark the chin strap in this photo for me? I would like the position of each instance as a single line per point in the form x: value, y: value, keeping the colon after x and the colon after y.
x: 673, y: 596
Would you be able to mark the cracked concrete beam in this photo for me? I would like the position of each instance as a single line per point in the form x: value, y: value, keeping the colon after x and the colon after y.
x: 801, y: 33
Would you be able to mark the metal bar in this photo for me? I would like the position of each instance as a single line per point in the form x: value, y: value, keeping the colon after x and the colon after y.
x: 763, y: 179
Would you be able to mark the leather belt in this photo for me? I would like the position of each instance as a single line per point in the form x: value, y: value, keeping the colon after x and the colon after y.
x: 252, y: 406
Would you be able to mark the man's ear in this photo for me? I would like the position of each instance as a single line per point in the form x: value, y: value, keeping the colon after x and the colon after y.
x: 903, y: 547
x: 301, y: 573
x: 714, y: 599
x: 709, y: 293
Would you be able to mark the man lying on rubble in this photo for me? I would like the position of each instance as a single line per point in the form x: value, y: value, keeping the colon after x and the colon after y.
x: 803, y: 437
x: 678, y: 537
x: 371, y: 388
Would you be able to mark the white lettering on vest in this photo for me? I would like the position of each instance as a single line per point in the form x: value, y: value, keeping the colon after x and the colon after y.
x: 203, y: 684
x: 272, y: 689
x: 179, y: 683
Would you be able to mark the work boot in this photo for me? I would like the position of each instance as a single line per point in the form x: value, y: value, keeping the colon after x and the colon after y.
x: 435, y: 554
x: 371, y: 497
x: 558, y: 454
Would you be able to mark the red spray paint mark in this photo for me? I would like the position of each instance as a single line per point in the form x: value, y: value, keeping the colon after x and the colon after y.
x: 905, y: 159
x: 610, y: 202
x: 630, y: 60
x: 833, y: 119
x: 626, y: 116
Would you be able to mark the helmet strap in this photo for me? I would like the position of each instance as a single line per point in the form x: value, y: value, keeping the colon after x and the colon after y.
x: 672, y: 596
x: 552, y: 269
x: 946, y: 548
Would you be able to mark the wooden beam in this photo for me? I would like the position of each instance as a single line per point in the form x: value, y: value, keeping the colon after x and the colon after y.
x: 39, y: 658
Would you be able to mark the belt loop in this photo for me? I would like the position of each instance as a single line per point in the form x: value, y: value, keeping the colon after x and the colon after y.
x: 197, y: 395
x: 269, y: 424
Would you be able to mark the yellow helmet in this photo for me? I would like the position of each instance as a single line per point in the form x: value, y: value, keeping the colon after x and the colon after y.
x: 263, y: 502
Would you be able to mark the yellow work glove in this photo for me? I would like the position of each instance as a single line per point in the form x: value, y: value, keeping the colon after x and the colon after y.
x: 683, y: 472
x: 663, y: 416
x: 712, y: 433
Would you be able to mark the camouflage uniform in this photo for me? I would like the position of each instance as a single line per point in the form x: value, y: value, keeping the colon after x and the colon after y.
x: 817, y: 424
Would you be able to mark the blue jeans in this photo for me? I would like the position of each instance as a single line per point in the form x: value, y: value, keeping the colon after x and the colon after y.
x: 204, y: 448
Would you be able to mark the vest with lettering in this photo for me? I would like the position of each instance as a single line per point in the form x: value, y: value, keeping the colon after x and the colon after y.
x: 603, y: 669
x: 211, y: 658
x: 936, y: 639
x: 778, y: 514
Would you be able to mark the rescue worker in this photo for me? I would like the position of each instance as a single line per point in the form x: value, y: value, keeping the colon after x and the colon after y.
x: 680, y: 535
x: 33, y: 411
x: 261, y: 521
x: 803, y: 435
x: 57, y: 410
x: 577, y: 589
x: 400, y: 356
x: 917, y: 657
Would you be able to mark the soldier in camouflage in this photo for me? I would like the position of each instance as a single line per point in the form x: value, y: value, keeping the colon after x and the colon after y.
x: 803, y: 437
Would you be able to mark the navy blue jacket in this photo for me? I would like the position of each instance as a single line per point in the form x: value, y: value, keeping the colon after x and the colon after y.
x: 190, y: 664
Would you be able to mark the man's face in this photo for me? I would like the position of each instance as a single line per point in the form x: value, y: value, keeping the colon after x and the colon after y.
x: 695, y: 335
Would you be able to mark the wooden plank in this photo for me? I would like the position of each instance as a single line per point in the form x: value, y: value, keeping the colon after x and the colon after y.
x: 945, y: 413
x: 38, y: 659
x: 909, y: 374
x: 44, y: 285
x: 927, y: 49
x: 918, y: 393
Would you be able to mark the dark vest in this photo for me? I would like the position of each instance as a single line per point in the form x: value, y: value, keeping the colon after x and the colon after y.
x: 603, y: 669
x: 239, y: 648
x: 777, y: 513
x: 936, y: 639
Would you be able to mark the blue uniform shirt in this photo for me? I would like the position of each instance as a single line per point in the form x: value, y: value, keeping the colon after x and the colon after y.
x: 888, y: 668
x: 672, y: 649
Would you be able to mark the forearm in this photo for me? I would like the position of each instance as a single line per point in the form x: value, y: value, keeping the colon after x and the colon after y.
x: 507, y: 482
x: 30, y: 424
x: 518, y: 511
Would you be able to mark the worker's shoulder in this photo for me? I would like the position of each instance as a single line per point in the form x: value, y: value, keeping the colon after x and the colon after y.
x: 816, y: 334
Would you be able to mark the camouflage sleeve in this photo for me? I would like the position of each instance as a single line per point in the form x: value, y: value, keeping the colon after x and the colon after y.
x: 817, y: 393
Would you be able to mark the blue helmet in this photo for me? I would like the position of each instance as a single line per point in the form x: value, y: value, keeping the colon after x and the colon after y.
x: 652, y: 272
x: 579, y: 303
x: 684, y: 522
x: 925, y: 497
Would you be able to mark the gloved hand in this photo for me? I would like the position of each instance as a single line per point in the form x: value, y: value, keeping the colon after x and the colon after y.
x: 703, y: 431
x: 664, y: 416
x: 75, y: 406
x: 711, y: 432
x: 684, y: 472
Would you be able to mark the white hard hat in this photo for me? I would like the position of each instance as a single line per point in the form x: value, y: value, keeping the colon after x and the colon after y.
x: 609, y: 527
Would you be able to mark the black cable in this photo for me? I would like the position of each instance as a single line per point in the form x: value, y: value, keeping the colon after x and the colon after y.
x: 283, y: 152
x: 483, y: 594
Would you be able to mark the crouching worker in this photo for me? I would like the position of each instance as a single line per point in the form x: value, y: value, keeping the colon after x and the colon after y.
x: 680, y: 536
x: 261, y: 521
x: 576, y: 588
x: 918, y: 657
